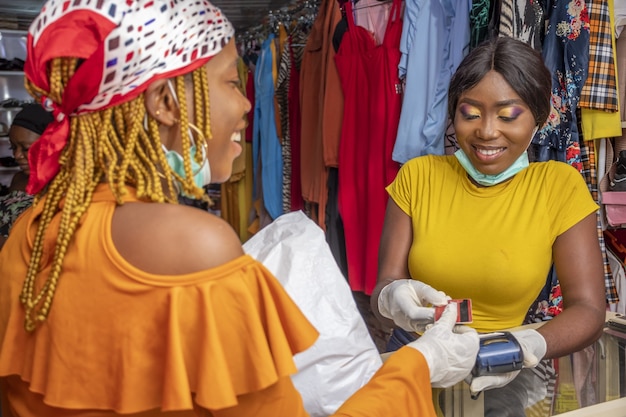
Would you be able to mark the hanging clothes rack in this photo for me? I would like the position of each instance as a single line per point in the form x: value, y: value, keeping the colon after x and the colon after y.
x: 303, y: 13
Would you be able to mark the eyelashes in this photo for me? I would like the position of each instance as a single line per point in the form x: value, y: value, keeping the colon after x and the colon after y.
x: 508, y: 113
x: 511, y: 112
x: 469, y: 112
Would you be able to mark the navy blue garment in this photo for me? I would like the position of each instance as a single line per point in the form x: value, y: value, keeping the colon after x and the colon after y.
x: 566, y: 54
x: 399, y: 337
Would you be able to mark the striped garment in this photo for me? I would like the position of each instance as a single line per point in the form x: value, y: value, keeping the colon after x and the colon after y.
x: 522, y: 20
x: 589, y: 172
x: 282, y: 97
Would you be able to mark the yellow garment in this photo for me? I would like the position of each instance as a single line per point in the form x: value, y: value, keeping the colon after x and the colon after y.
x: 491, y: 244
x: 216, y: 343
x: 598, y: 124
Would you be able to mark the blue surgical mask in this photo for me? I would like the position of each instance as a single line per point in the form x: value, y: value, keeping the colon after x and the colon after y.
x: 201, y: 173
x: 520, y: 164
x: 489, y: 180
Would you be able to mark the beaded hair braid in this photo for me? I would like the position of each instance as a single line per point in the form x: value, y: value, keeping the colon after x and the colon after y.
x: 115, y: 146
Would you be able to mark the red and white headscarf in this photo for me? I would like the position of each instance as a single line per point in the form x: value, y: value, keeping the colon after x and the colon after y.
x: 124, y: 45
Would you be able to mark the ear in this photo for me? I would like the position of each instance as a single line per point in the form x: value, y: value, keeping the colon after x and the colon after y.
x: 160, y: 103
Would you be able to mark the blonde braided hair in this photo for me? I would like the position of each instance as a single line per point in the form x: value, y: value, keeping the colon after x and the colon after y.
x: 111, y: 146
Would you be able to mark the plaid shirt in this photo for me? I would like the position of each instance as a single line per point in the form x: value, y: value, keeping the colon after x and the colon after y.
x: 600, y: 91
x: 547, y: 304
x: 589, y: 172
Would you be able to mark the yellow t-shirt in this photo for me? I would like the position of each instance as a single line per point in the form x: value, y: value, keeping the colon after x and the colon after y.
x: 490, y: 244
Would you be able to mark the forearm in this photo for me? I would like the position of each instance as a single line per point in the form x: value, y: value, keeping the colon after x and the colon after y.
x: 574, y: 329
x: 395, y: 243
x: 374, y: 303
x: 400, y: 388
x: 578, y: 262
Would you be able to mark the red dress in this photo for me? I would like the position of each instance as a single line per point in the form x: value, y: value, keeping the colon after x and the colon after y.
x: 372, y: 104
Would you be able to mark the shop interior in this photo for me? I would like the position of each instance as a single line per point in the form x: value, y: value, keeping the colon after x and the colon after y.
x: 588, y: 383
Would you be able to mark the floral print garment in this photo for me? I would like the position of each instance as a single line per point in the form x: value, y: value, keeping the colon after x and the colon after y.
x: 11, y: 206
x: 566, y: 54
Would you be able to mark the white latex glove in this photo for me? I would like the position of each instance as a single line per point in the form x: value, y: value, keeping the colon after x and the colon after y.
x: 450, y: 350
x: 534, y: 349
x: 406, y: 302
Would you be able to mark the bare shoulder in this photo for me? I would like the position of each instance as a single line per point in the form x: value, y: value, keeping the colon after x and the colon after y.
x: 172, y: 239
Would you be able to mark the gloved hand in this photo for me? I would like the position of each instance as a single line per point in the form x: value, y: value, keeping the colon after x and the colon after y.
x: 405, y: 302
x: 450, y: 350
x: 534, y: 349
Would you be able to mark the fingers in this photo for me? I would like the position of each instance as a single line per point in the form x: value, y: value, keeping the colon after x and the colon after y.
x: 533, y: 345
x: 482, y: 383
x: 461, y: 329
x: 448, y: 317
x: 409, y: 303
x: 421, y: 314
x: 429, y: 295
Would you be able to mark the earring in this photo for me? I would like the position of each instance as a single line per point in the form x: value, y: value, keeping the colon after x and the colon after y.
x: 158, y: 112
x: 204, y: 144
x: 198, y: 131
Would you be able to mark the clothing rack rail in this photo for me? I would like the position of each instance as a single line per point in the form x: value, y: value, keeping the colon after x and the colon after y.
x: 304, y: 12
x: 380, y: 3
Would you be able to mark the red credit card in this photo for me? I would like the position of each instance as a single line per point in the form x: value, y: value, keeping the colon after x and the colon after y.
x: 464, y: 310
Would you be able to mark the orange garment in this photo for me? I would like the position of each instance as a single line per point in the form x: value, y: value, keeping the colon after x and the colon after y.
x: 122, y: 341
x: 321, y: 108
x: 400, y: 388
x: 332, y: 107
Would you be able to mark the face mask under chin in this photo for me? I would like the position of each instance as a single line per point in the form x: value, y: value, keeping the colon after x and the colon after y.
x: 489, y: 180
x: 201, y: 172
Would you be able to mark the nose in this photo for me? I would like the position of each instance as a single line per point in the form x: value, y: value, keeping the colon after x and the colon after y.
x: 18, y: 153
x: 247, y: 106
x: 488, y: 129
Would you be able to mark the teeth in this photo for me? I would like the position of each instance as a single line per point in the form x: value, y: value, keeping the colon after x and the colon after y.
x: 489, y: 151
x: 236, y: 137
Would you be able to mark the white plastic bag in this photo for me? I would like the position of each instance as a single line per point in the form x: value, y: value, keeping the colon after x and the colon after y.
x: 344, y: 357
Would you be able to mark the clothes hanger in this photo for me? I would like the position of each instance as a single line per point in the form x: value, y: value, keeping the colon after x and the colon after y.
x: 380, y: 3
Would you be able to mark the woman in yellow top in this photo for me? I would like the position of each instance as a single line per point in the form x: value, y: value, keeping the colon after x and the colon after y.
x: 487, y: 225
x: 116, y: 300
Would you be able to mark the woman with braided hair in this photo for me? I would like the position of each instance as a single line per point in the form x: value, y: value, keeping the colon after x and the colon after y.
x: 116, y: 300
